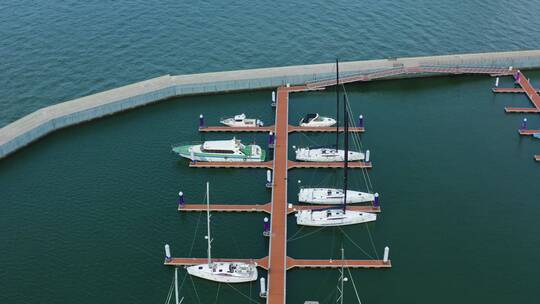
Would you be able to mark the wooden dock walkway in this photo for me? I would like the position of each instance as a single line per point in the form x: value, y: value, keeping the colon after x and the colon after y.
x: 302, y: 165
x: 269, y: 165
x: 262, y: 262
x: 301, y: 263
x: 511, y: 90
x: 277, y: 263
x: 272, y: 128
x: 246, y: 164
x: 236, y: 129
x: 267, y: 208
x: 528, y: 89
x: 323, y: 129
x: 528, y: 132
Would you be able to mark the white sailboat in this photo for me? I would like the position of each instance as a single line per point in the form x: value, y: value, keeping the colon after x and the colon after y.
x: 241, y: 121
x: 334, y: 216
x: 328, y: 154
x: 224, y: 272
x: 333, y: 196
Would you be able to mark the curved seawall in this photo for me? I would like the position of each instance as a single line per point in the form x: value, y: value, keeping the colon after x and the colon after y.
x: 43, y: 121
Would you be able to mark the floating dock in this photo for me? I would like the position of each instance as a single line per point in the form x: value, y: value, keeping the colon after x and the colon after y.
x: 301, y: 263
x: 277, y: 263
x: 528, y: 132
x: 528, y: 89
x: 267, y: 208
x: 511, y: 90
x: 273, y: 128
x: 224, y: 164
x: 269, y: 165
x: 262, y: 262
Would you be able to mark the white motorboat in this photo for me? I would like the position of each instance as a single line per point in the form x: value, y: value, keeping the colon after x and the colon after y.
x: 326, y: 155
x: 332, y: 196
x: 223, y: 272
x: 333, y: 217
x: 241, y: 121
x: 221, y: 150
x: 315, y: 120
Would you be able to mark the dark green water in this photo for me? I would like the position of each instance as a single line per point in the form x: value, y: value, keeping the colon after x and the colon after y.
x: 86, y: 211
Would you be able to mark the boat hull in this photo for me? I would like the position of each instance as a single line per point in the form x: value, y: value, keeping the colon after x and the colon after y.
x: 213, y: 273
x: 331, y: 196
x: 333, y: 218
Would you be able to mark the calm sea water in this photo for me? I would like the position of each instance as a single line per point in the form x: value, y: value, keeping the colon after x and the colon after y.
x: 86, y: 211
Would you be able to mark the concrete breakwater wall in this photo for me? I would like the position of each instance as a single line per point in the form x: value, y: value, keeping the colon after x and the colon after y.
x: 43, y: 121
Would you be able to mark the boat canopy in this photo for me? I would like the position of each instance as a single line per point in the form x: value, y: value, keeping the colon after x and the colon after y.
x: 221, y: 145
x: 240, y: 117
x: 310, y: 117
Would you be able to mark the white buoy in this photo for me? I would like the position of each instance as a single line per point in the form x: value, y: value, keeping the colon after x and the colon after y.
x: 262, y: 294
x: 497, y: 82
x: 269, y: 176
x: 510, y: 68
x: 299, y: 181
x: 367, y: 156
x: 273, y: 96
x: 386, y: 253
x: 288, y: 85
x: 167, y: 252
x: 290, y: 206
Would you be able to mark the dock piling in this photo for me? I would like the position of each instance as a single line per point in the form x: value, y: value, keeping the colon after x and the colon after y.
x: 271, y: 140
x: 201, y: 121
x: 266, y: 227
x: 167, y: 252
x: 269, y: 179
x: 524, y: 124
x: 273, y: 104
x: 181, y: 201
x: 376, y: 202
x: 262, y: 293
x: 361, y: 121
x: 386, y: 254
x: 497, y: 82
x: 367, y: 156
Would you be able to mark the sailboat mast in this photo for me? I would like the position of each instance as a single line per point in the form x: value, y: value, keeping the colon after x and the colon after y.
x: 346, y: 152
x: 337, y: 104
x: 342, y: 273
x: 208, y: 236
x: 176, y: 284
